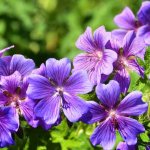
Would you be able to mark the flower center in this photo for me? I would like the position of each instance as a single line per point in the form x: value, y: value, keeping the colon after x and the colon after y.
x: 60, y: 90
x: 123, y: 61
x: 13, y: 99
x: 99, y: 54
x: 112, y: 114
x: 113, y: 117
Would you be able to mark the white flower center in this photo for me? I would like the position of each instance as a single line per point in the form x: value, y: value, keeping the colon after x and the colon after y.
x: 99, y: 54
x: 59, y: 89
x: 112, y: 113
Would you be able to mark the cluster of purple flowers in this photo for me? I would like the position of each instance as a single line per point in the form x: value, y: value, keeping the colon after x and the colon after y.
x: 140, y: 23
x: 41, y: 95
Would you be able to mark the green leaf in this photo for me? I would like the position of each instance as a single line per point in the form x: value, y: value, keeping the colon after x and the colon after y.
x: 144, y: 137
x: 134, y: 78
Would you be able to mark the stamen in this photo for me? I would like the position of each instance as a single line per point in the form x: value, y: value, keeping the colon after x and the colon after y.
x: 123, y: 61
x: 7, y: 94
x: 18, y: 90
x: 52, y: 82
x: 99, y: 54
x: 112, y: 113
x: 59, y: 89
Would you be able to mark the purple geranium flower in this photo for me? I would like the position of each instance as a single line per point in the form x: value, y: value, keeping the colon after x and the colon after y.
x: 5, y: 49
x: 124, y: 146
x: 113, y: 114
x: 56, y: 90
x: 128, y: 51
x: 140, y: 24
x: 8, y: 124
x: 97, y: 60
x: 13, y: 93
x: 8, y: 65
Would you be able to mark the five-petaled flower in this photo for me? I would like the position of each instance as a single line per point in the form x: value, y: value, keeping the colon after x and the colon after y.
x: 56, y: 90
x: 97, y: 61
x: 113, y: 114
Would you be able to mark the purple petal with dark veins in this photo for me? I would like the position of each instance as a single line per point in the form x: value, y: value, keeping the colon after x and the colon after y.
x: 100, y: 38
x: 39, y: 87
x: 108, y: 94
x: 95, y: 113
x: 58, y: 70
x: 9, y: 122
x: 105, y: 135
x: 85, y: 41
x: 48, y: 109
x: 133, y: 46
x: 27, y: 110
x: 134, y: 66
x: 90, y: 64
x: 144, y: 13
x: 78, y: 83
x: 73, y: 107
x: 21, y: 64
x: 129, y: 129
x: 125, y: 19
x: 132, y: 105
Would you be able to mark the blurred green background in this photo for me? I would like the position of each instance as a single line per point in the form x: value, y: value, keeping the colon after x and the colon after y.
x: 41, y: 29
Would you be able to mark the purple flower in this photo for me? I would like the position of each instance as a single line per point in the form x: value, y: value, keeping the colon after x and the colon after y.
x: 127, y: 21
x: 8, y: 65
x: 140, y: 24
x: 144, y: 13
x: 124, y: 146
x: 56, y: 90
x: 8, y: 124
x: 13, y: 94
x: 97, y: 60
x: 5, y: 49
x: 128, y: 51
x: 113, y: 114
x: 148, y: 147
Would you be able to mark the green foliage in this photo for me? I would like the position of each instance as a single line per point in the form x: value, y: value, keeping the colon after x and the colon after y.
x: 42, y: 29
